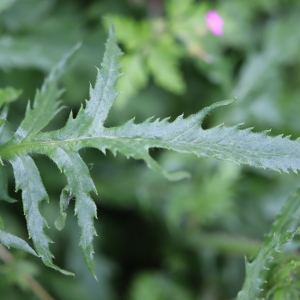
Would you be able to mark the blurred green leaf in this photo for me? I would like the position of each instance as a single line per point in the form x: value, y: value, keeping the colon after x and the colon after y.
x: 8, y: 95
x: 5, y: 4
x: 163, y: 64
x: 272, y: 242
x: 136, y: 77
x: 156, y: 286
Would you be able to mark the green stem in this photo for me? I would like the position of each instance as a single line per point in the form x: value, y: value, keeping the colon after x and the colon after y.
x: 225, y: 243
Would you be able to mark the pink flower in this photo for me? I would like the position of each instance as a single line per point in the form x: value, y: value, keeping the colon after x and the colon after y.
x: 215, y: 22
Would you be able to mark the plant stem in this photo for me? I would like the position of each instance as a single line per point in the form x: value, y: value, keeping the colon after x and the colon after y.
x: 226, y: 243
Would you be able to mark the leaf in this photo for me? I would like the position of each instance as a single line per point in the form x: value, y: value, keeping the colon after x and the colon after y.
x: 26, y: 173
x: 183, y: 135
x: 272, y: 242
x: 80, y: 185
x: 163, y: 64
x: 33, y: 192
x: 5, y: 4
x: 8, y: 95
x: 284, y: 280
x: 136, y: 77
x: 3, y: 115
x: 133, y: 140
x: 45, y: 105
x: 133, y: 34
x: 65, y: 198
x: 9, y: 240
x: 3, y: 186
x: 161, y: 286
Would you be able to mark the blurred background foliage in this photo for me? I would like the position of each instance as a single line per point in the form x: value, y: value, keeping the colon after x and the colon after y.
x: 158, y: 239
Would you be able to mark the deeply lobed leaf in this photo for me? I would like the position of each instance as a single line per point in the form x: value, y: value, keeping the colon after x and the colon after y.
x: 133, y: 140
x: 33, y: 192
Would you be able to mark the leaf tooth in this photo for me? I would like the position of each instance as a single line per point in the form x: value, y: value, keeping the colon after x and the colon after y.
x: 267, y: 131
x: 236, y: 126
x: 165, y: 120
x: 178, y: 119
x: 71, y: 117
x: 148, y: 120
x: 129, y: 122
x: 114, y: 151
x: 103, y: 150
x: 220, y: 125
x: 80, y: 111
x: 28, y: 106
x: 196, y: 153
x: 248, y: 129
x: 91, y: 89
x: 99, y: 71
x: 280, y: 136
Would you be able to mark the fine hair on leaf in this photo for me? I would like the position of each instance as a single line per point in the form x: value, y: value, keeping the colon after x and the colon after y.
x: 87, y: 129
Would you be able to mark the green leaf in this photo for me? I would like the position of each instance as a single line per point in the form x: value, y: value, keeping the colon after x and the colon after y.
x: 65, y: 198
x: 136, y: 77
x: 9, y: 240
x: 8, y: 95
x: 80, y: 185
x: 33, y: 192
x: 3, y: 115
x: 163, y: 62
x: 272, y: 242
x: 3, y: 186
x: 241, y: 146
x: 27, y: 176
x: 45, y: 105
x: 283, y: 283
x: 5, y: 4
x: 89, y: 121
x: 184, y: 135
x: 133, y: 34
x: 160, y: 285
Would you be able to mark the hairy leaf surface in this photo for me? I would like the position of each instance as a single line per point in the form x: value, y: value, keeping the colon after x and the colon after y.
x: 10, y: 240
x: 133, y: 140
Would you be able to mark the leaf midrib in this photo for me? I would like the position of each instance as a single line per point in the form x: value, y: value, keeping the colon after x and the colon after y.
x: 32, y: 146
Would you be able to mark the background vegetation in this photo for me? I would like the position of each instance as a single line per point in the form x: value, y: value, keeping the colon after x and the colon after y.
x: 160, y: 239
